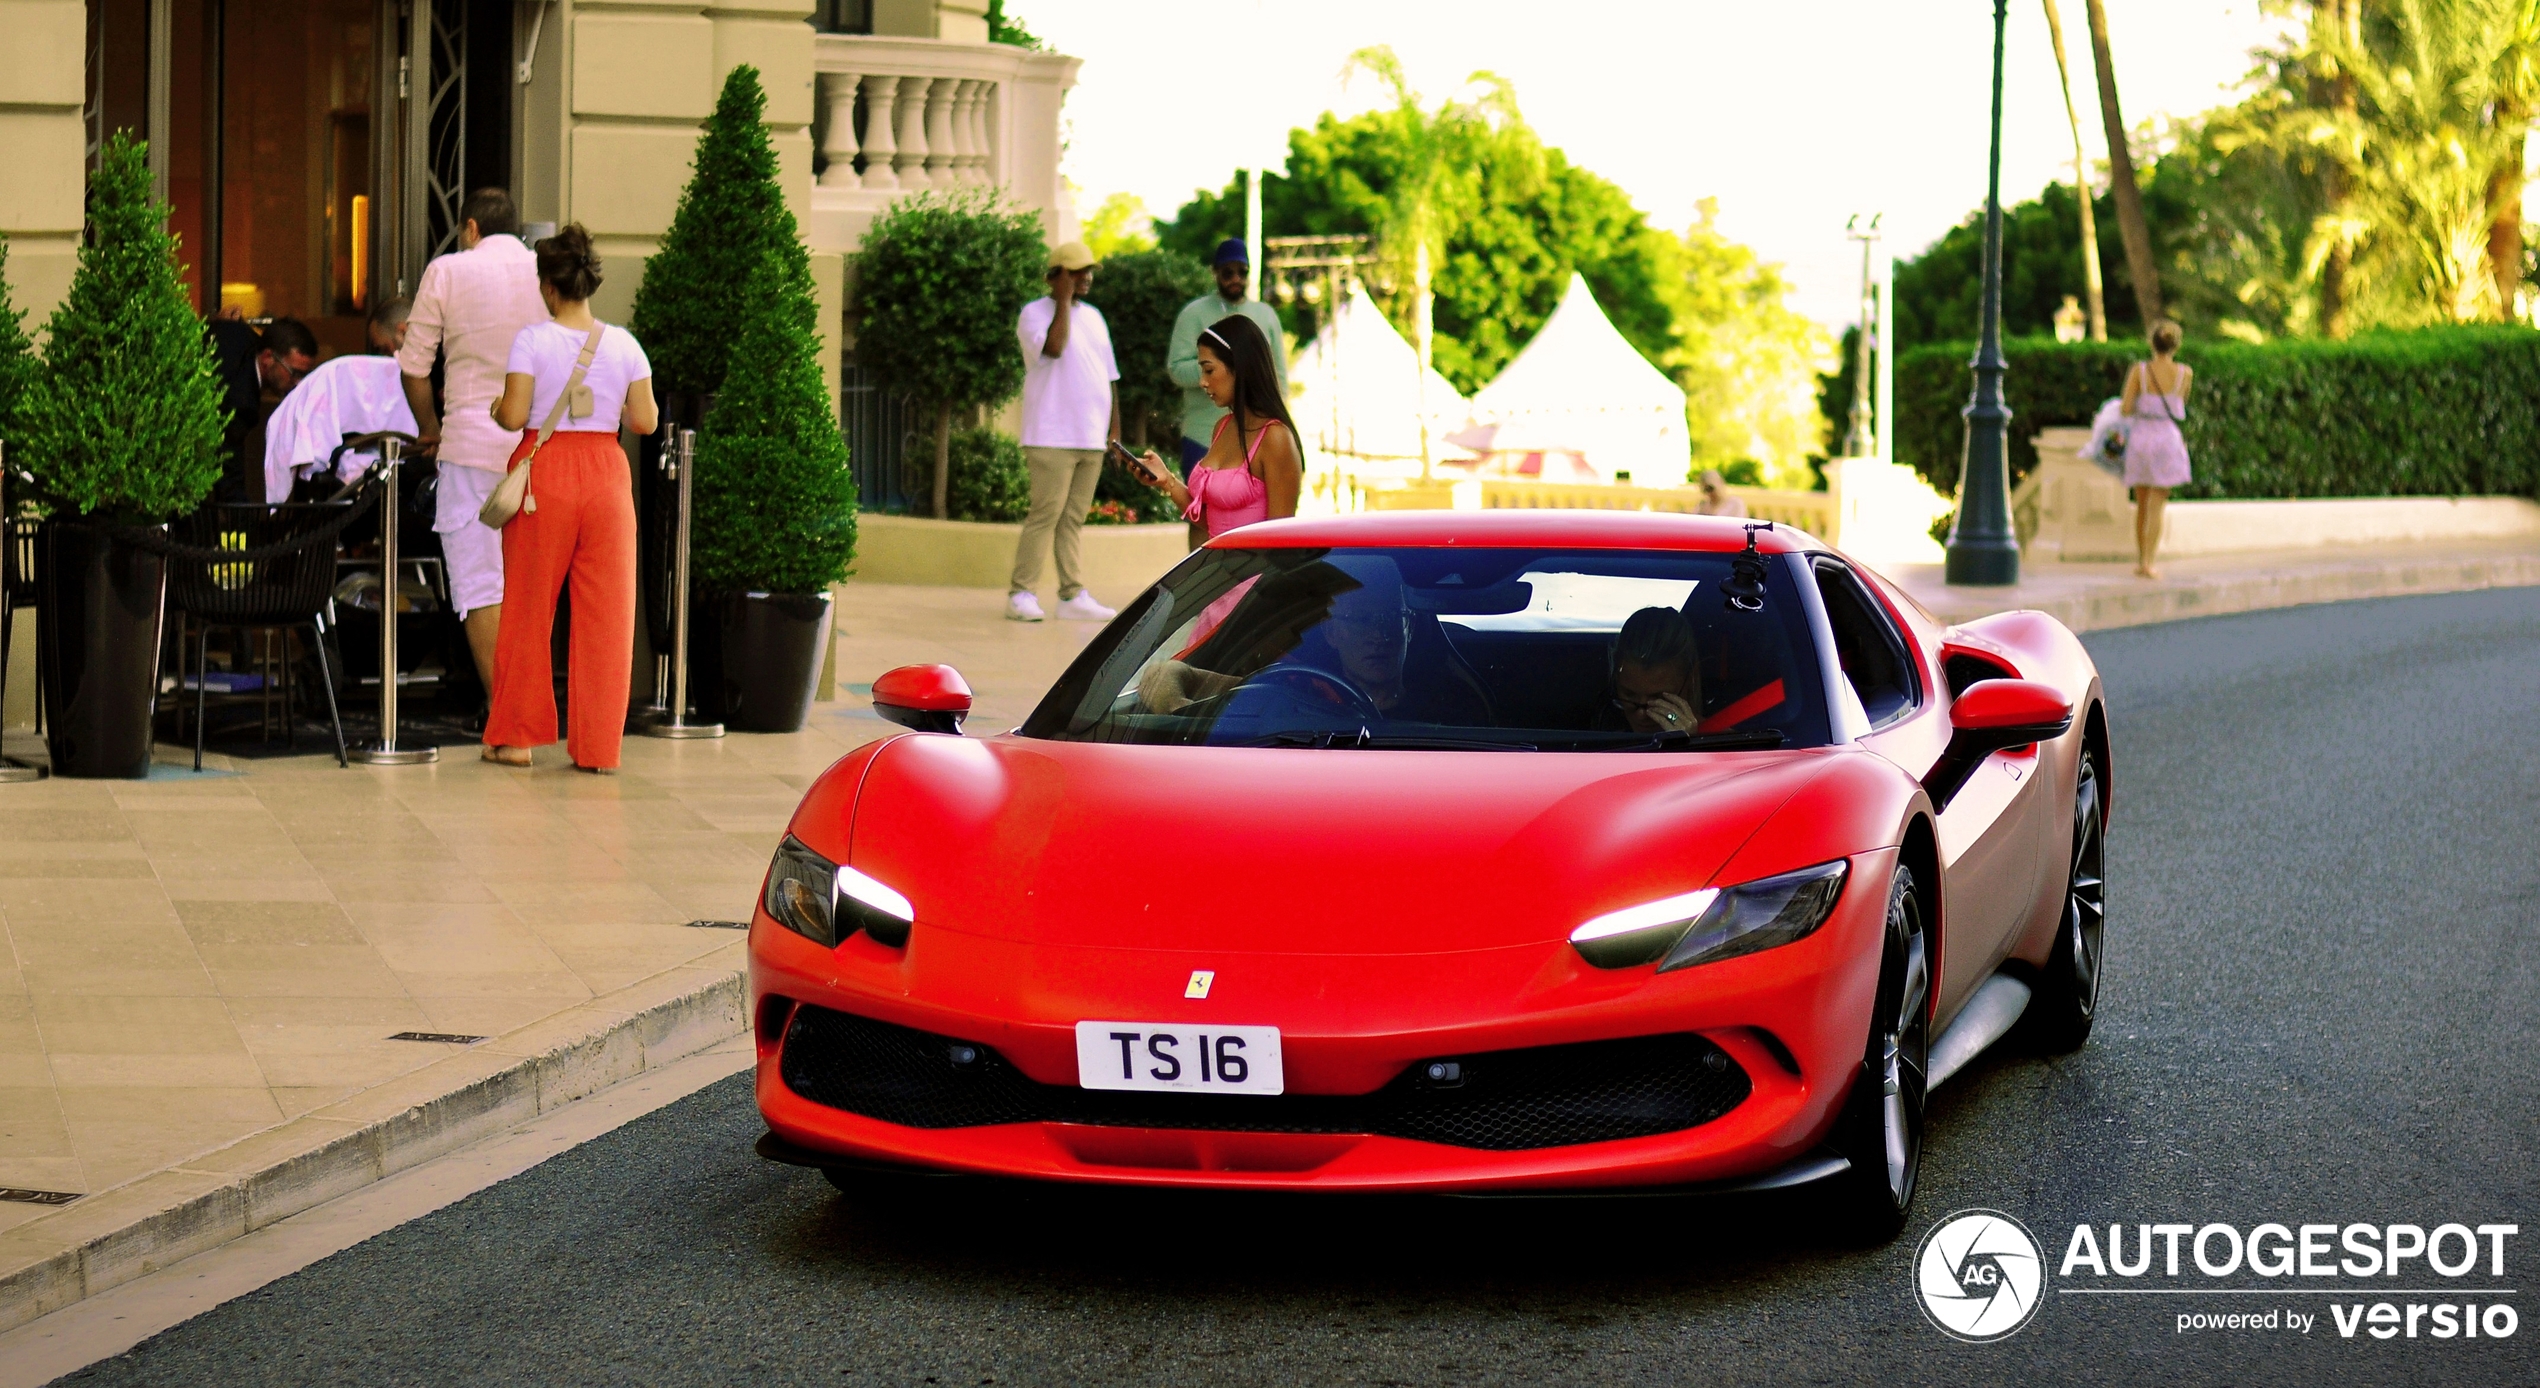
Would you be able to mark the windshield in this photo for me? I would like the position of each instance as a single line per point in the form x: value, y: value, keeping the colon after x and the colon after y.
x: 1480, y: 649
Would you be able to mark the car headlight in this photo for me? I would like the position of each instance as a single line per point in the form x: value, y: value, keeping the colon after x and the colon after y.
x: 1715, y: 923
x: 825, y: 903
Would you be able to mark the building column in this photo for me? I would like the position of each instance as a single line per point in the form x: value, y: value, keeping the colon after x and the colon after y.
x: 881, y: 111
x: 840, y: 145
x: 910, y: 162
x: 942, y: 150
x: 44, y: 195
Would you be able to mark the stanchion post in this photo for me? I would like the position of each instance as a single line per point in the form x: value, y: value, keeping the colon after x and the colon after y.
x: 386, y: 752
x: 681, y: 452
x: 11, y: 770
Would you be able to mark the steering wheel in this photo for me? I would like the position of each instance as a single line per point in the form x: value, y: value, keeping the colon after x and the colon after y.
x: 1320, y: 687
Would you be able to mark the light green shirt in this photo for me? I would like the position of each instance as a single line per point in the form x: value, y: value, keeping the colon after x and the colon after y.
x: 1199, y: 413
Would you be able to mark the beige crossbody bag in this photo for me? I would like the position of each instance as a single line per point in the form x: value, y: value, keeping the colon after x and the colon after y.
x: 511, y: 495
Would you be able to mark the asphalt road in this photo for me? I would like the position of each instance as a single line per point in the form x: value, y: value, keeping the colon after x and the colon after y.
x: 2323, y: 989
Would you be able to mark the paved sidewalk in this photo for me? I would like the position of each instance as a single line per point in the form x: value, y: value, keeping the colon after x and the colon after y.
x: 203, y: 972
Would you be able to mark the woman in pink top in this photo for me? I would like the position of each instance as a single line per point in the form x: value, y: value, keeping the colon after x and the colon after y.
x: 1253, y: 471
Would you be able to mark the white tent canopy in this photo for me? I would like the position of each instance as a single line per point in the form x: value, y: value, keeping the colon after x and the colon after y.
x: 1579, y: 389
x: 1357, y: 389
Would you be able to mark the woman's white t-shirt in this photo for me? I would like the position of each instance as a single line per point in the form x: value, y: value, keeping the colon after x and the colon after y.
x: 545, y: 352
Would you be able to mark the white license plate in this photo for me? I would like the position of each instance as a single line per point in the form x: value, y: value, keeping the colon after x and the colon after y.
x: 1180, y: 1059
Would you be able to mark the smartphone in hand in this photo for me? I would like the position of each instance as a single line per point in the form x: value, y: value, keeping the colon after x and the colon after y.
x: 1137, y: 466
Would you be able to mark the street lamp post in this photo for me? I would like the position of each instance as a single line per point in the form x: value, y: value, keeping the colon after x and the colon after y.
x: 1982, y: 548
x: 1861, y: 439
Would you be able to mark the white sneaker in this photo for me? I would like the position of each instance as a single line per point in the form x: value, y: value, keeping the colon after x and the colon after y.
x: 1023, y: 607
x: 1083, y: 608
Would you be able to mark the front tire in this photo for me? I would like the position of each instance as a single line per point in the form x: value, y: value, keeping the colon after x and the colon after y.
x: 2066, y: 1000
x: 1881, y: 1130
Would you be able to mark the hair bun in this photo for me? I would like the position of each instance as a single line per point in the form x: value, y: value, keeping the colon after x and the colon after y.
x: 567, y: 264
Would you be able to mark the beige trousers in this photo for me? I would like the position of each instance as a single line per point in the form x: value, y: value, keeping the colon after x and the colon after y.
x: 1062, y: 493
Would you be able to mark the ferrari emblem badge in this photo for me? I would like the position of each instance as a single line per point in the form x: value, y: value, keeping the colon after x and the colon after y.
x: 1200, y: 979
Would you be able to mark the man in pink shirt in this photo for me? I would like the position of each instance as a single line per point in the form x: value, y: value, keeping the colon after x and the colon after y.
x: 469, y: 308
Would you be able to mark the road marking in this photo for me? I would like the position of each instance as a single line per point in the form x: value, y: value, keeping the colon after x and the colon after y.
x: 105, y: 1325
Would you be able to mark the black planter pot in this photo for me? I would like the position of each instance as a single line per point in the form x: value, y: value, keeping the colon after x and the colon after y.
x: 103, y: 604
x: 769, y: 658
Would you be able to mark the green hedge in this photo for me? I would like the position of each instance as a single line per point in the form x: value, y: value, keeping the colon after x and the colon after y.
x: 989, y: 481
x: 2442, y: 412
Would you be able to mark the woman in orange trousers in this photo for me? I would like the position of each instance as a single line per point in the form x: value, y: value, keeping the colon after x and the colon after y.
x: 582, y: 529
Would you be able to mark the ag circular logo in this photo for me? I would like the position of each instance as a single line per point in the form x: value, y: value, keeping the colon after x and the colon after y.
x: 1980, y: 1275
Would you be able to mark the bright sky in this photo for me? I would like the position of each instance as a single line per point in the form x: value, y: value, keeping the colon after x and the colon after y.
x: 1794, y: 116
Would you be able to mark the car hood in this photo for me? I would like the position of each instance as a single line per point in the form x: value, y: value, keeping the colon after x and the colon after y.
x: 1297, y: 851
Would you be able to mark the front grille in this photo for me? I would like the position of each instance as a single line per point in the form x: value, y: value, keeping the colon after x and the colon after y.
x: 1546, y: 1096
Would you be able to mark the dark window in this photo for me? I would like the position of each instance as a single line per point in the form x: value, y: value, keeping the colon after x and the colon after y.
x: 842, y: 16
x: 1437, y: 648
x: 1873, y: 655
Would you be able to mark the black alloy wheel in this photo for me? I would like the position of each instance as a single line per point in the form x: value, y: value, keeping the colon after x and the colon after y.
x: 1882, y: 1127
x: 2067, y: 997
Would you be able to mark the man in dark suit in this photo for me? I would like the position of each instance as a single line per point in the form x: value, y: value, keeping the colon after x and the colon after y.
x: 250, y: 363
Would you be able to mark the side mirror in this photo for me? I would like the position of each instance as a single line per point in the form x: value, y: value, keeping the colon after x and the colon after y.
x: 929, y: 698
x: 1992, y: 715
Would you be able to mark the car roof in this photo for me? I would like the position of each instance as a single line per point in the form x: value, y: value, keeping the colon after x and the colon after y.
x: 1579, y: 529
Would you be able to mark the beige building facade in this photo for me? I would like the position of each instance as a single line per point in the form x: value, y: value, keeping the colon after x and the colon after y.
x: 315, y: 152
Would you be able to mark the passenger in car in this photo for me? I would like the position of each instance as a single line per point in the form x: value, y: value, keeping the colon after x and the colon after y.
x: 1657, y: 679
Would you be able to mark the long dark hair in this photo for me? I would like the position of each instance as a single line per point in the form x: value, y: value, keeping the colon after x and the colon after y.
x: 1238, y: 342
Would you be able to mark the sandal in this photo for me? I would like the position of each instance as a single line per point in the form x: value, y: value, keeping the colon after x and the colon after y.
x: 508, y: 756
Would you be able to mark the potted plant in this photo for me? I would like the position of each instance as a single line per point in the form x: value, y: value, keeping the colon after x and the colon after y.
x: 775, y: 504
x: 939, y: 280
x: 731, y: 216
x: 119, y: 431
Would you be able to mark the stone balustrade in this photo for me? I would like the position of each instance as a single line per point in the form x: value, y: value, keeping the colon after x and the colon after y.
x: 902, y: 115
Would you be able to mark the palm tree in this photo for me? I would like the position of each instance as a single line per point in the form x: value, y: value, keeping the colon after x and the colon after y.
x: 2081, y: 184
x: 2417, y: 121
x: 2136, y: 233
x: 1432, y: 180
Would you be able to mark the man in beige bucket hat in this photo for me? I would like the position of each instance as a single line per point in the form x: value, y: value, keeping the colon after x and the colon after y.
x: 1071, y: 409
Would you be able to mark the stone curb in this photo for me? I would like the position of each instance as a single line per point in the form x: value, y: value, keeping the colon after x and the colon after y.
x: 2300, y: 583
x: 114, y: 1236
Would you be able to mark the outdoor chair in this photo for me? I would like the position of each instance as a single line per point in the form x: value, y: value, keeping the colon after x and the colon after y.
x: 257, y: 598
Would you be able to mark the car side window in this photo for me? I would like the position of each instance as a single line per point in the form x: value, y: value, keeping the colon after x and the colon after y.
x: 1872, y: 653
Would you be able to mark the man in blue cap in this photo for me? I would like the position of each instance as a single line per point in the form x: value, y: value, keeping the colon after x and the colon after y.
x: 1233, y: 265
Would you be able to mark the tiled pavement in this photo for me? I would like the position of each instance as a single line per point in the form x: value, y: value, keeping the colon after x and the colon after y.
x: 191, y: 960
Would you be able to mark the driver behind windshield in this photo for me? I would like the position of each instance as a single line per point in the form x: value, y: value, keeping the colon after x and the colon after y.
x: 1366, y: 640
x: 1657, y: 685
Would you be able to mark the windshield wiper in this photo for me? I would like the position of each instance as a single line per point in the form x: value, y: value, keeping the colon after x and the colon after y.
x: 1362, y: 738
x: 1751, y: 740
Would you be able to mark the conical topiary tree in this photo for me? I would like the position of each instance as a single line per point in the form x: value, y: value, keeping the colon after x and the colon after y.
x: 18, y: 363
x: 731, y: 216
x: 775, y: 500
x: 939, y: 279
x: 124, y: 419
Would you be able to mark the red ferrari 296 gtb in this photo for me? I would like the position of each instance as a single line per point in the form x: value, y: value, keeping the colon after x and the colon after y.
x: 1449, y: 851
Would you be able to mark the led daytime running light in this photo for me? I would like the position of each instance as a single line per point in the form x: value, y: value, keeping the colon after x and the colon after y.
x: 860, y: 887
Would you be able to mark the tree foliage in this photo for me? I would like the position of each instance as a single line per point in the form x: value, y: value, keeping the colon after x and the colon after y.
x: 939, y: 280
x: 1744, y: 357
x: 1140, y: 295
x: 1119, y: 226
x: 775, y: 500
x: 125, y: 417
x: 1515, y: 221
x: 731, y: 217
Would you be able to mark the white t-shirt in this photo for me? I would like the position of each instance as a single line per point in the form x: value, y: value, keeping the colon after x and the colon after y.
x: 546, y: 352
x: 1066, y: 398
